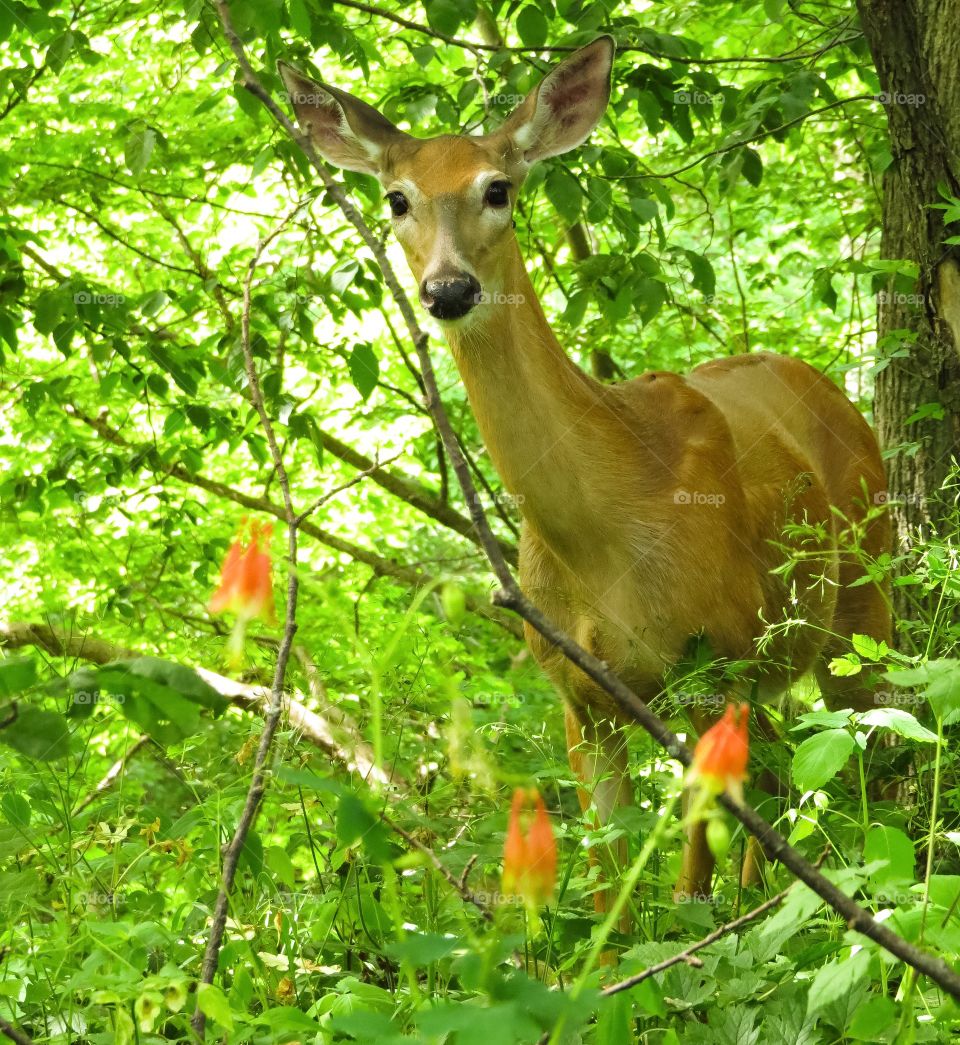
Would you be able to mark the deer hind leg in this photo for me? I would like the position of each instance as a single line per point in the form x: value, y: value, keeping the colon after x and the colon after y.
x: 598, y: 757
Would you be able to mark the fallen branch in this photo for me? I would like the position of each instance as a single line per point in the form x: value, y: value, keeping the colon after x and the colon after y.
x: 332, y: 730
x: 511, y: 597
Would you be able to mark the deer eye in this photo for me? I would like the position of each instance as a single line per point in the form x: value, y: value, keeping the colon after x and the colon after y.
x: 497, y: 194
x: 398, y: 204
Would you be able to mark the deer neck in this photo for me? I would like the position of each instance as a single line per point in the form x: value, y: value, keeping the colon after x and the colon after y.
x: 541, y: 417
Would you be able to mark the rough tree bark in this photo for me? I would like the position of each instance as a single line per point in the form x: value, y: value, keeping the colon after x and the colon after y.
x: 916, y: 48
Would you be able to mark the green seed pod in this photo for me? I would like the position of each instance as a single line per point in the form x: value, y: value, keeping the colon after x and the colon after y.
x: 718, y: 837
x: 454, y: 602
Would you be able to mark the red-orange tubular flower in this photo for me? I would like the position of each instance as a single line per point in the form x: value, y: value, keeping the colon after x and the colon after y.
x: 246, y: 585
x: 529, y: 859
x: 721, y: 755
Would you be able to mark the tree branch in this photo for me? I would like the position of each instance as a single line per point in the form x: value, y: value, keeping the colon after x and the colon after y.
x: 416, y: 27
x: 412, y: 576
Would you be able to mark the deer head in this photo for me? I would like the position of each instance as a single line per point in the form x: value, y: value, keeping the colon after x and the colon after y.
x: 452, y: 197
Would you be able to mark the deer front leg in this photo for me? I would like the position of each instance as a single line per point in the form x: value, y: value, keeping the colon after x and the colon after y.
x: 598, y: 757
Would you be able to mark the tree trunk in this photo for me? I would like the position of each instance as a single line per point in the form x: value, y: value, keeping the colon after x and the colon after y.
x: 916, y: 48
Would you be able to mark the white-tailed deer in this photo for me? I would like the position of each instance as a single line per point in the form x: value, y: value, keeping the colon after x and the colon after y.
x: 653, y: 511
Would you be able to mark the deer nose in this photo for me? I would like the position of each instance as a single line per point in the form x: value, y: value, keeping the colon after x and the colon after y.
x: 449, y: 297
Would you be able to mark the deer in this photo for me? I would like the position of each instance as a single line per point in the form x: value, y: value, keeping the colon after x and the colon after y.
x: 656, y: 510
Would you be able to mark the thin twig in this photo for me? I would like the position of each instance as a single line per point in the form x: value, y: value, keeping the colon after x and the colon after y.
x: 459, y: 885
x: 511, y: 597
x: 116, y: 770
x: 687, y: 952
x: 759, y: 136
x: 258, y: 781
x: 353, y: 481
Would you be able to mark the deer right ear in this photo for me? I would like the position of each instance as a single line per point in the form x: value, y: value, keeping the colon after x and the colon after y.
x: 345, y: 131
x: 562, y: 110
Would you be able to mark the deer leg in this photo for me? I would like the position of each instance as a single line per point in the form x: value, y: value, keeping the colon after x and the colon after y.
x: 751, y: 871
x: 598, y: 758
x: 697, y: 862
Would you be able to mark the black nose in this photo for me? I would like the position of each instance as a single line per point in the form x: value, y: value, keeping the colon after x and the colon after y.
x: 449, y: 297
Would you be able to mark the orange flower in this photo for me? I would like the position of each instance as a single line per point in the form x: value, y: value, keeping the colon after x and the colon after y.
x: 246, y: 585
x: 720, y: 757
x: 529, y: 860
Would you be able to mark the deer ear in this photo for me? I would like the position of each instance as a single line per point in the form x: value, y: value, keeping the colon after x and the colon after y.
x: 562, y: 110
x: 345, y: 131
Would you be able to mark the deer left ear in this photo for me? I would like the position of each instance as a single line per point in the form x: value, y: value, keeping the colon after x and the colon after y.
x: 563, y: 109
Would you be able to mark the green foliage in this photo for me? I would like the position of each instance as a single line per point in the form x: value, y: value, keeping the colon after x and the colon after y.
x: 729, y: 205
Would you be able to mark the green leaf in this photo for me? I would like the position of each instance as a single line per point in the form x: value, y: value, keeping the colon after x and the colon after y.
x: 891, y: 845
x: 213, y: 1003
x: 421, y: 949
x: 845, y: 666
x: 300, y: 18
x: 901, y: 722
x: 138, y: 149
x: 837, y: 979
x: 870, y: 649
x: 364, y: 369
x: 532, y: 27
x: 564, y: 192
x: 37, y: 734
x: 752, y: 168
x: 873, y: 1020
x: 16, y: 675
x: 59, y: 51
x: 704, y: 278
x: 940, y: 684
x: 16, y: 809
x: 356, y: 824
x: 615, y: 1021
x: 820, y: 757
